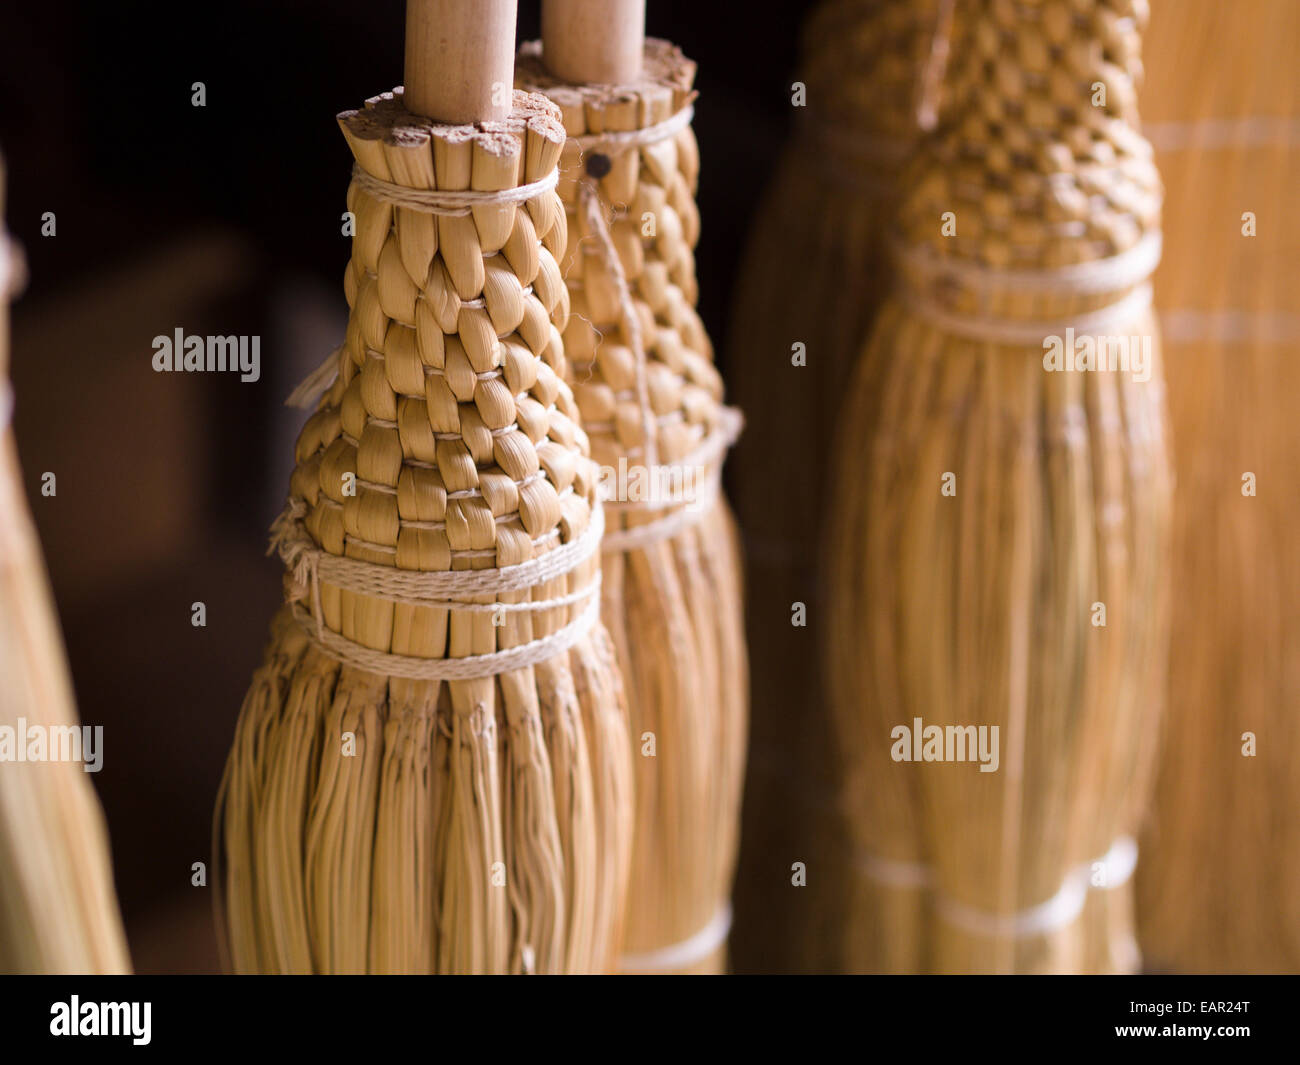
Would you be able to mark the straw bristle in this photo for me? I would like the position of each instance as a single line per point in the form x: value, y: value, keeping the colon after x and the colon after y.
x: 672, y: 607
x: 468, y: 825
x: 983, y: 507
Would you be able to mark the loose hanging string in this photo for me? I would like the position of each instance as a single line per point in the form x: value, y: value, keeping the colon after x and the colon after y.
x: 712, y: 449
x: 1112, y: 870
x: 589, y: 202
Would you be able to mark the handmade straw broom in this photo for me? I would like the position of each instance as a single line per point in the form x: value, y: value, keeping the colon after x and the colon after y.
x: 994, y: 507
x: 58, y: 909
x: 862, y: 68
x: 1219, y: 885
x: 651, y: 402
x: 432, y: 771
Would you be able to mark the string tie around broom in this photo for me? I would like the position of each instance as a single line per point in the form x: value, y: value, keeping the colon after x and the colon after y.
x: 685, y: 954
x: 309, y: 566
x: 1059, y: 911
x: 449, y: 202
x: 688, y: 507
x: 710, y: 452
x: 1127, y: 272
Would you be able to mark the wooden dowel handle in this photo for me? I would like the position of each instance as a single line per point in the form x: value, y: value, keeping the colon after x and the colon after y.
x: 593, y: 42
x: 460, y: 59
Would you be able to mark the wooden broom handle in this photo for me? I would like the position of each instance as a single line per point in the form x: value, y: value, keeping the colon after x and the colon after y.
x: 460, y: 59
x: 593, y: 42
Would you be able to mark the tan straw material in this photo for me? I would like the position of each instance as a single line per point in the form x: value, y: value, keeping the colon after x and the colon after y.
x: 986, y: 506
x: 432, y: 769
x: 58, y: 908
x: 651, y: 399
x: 1219, y: 883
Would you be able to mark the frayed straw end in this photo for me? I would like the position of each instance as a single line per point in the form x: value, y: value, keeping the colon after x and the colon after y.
x: 316, y: 383
x: 288, y: 541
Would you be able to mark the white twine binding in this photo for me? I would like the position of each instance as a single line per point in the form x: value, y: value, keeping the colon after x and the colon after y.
x: 1111, y: 870
x: 928, y: 273
x: 686, y: 953
x: 309, y: 566
x: 470, y: 667
x: 453, y: 203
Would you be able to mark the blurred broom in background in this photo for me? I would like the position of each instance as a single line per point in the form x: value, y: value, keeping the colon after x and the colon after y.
x: 431, y: 772
x: 1218, y: 885
x: 813, y: 274
x: 58, y: 908
x: 651, y: 402
x: 998, y: 529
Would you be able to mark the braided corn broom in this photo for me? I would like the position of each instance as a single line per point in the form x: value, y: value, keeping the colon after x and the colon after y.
x: 651, y: 401
x: 58, y: 909
x: 1003, y: 496
x: 862, y: 68
x: 431, y: 772
x: 1218, y: 889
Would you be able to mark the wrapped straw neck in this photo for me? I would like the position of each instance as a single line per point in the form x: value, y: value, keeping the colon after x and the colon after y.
x: 443, y: 476
x: 630, y: 156
x: 1038, y: 167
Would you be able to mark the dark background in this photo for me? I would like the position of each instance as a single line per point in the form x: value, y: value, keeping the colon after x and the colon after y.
x: 226, y: 219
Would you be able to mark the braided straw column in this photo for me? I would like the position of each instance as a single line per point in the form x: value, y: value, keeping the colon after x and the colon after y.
x: 672, y: 591
x: 58, y: 908
x: 814, y: 273
x: 986, y: 506
x: 456, y: 804
x: 1218, y: 886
